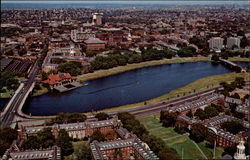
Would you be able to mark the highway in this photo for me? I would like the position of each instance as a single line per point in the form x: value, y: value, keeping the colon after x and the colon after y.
x: 8, y: 117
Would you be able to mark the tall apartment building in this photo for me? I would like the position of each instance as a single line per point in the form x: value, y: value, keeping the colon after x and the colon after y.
x: 97, y: 18
x: 231, y: 41
x: 216, y: 43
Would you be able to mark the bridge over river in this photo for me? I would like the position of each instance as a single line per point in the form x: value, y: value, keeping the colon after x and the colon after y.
x: 232, y: 64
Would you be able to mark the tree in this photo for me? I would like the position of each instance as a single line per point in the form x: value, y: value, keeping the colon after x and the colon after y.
x: 71, y: 67
x: 155, y: 144
x: 201, y: 114
x: 215, y: 58
x: 168, y: 154
x: 180, y: 126
x: 69, y: 118
x: 83, y: 152
x: 43, y: 139
x: 102, y: 116
x: 198, y: 132
x: 64, y: 142
x: 168, y: 119
x: 244, y: 42
x: 190, y: 114
x: 97, y: 135
x: 211, y: 112
x: 233, y: 127
x: 7, y: 135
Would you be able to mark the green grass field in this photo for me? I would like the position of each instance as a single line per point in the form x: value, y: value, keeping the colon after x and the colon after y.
x: 177, y: 141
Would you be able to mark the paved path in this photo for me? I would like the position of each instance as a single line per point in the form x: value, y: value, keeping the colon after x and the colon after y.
x: 200, y: 150
x: 166, y: 139
x: 155, y: 128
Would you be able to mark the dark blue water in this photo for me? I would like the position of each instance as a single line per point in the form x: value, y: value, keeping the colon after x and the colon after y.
x: 125, y: 88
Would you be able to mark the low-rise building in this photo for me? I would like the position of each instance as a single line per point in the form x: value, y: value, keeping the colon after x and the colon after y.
x: 94, y: 44
x: 131, y: 148
x: 14, y: 153
x: 76, y: 130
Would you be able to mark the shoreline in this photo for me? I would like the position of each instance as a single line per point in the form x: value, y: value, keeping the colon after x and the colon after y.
x: 197, y: 85
x: 129, y: 67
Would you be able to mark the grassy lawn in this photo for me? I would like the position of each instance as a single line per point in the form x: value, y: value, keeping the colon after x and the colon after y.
x: 76, y: 145
x: 179, y: 143
x: 239, y: 59
x: 7, y: 94
x: 209, y: 151
x: 41, y: 91
x: 198, y: 85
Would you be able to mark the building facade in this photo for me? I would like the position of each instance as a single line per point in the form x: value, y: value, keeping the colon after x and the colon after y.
x: 216, y: 43
x: 76, y: 130
x: 233, y: 41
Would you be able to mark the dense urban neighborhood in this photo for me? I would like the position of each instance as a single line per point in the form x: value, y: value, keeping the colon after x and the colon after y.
x: 57, y: 51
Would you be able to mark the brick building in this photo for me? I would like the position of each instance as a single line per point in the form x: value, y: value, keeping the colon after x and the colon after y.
x: 14, y: 153
x: 94, y: 44
x: 131, y: 148
x: 76, y: 130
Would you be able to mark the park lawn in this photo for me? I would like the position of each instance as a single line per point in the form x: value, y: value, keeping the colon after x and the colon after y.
x: 155, y: 128
x: 190, y: 151
x: 209, y: 151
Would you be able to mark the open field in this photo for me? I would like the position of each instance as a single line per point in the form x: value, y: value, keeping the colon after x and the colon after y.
x: 178, y: 142
x: 198, y: 85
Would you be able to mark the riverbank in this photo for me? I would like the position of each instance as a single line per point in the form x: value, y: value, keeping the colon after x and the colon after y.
x: 196, y: 86
x: 128, y: 67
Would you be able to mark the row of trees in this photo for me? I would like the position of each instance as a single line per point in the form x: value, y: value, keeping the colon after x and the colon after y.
x: 239, y: 82
x: 68, y: 118
x: 118, y: 59
x: 157, y: 145
x: 71, y: 67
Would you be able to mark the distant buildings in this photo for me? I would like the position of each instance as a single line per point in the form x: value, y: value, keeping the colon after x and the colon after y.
x: 216, y: 43
x: 80, y: 35
x: 233, y: 41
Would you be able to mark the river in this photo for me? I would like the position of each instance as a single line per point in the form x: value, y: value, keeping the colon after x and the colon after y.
x: 121, y: 89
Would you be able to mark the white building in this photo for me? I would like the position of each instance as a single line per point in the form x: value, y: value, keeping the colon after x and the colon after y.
x: 97, y: 18
x: 216, y: 43
x: 240, y: 154
x: 231, y: 41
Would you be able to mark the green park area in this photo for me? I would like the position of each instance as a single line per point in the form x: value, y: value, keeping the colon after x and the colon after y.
x: 181, y: 143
